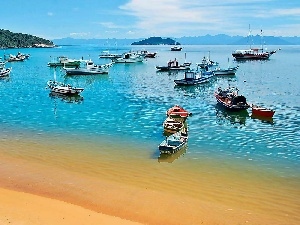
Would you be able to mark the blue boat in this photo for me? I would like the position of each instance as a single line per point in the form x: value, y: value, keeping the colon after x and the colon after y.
x: 194, y: 78
x: 173, y: 143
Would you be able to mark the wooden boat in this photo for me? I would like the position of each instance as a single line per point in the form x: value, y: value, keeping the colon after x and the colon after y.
x: 172, y: 125
x: 230, y: 99
x: 177, y: 111
x: 262, y: 111
x: 4, y: 72
x: 89, y: 69
x: 65, y: 62
x: 173, y: 143
x: 61, y: 88
x: 193, y: 78
x: 174, y: 65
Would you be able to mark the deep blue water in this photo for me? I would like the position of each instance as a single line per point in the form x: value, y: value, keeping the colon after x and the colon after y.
x: 130, y: 104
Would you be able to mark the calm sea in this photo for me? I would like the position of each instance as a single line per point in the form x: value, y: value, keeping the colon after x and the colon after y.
x: 127, y: 107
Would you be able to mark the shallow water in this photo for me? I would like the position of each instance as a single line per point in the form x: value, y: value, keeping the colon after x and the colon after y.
x: 115, y: 127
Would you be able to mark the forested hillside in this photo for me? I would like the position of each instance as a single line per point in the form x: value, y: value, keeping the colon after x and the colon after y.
x: 9, y: 39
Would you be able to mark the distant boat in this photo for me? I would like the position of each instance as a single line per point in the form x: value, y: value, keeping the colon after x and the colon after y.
x: 89, y: 69
x: 107, y: 54
x: 262, y: 111
x: 253, y: 53
x: 193, y: 78
x: 230, y: 99
x: 176, y: 48
x: 173, y: 143
x: 174, y: 65
x: 227, y: 71
x: 61, y: 88
x: 129, y: 57
x: 63, y: 61
x: 148, y: 54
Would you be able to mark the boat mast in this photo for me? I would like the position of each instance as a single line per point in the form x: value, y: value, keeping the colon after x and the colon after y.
x: 249, y: 36
x: 261, y: 40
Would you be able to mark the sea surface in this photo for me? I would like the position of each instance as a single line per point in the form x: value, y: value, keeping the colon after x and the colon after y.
x: 119, y: 115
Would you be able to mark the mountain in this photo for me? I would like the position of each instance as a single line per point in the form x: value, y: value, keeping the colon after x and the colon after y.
x: 9, y: 39
x: 220, y: 39
x: 156, y: 41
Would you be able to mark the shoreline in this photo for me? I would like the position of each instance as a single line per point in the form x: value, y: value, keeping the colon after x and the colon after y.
x: 144, y: 192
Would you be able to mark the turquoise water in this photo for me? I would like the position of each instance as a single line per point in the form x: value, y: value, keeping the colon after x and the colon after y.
x: 128, y: 105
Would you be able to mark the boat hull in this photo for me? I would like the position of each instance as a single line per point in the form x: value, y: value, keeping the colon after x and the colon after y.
x: 262, y: 112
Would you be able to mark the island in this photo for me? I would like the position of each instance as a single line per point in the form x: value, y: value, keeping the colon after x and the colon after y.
x: 10, y: 39
x: 156, y: 41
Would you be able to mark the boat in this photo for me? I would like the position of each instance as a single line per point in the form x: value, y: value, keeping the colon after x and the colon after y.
x: 173, y: 143
x: 129, y: 57
x: 4, y: 72
x: 174, y: 65
x: 61, y: 88
x: 176, y: 48
x: 89, y: 69
x: 148, y: 54
x: 262, y: 111
x: 16, y: 58
x: 230, y: 99
x: 108, y: 55
x: 177, y: 112
x: 172, y: 125
x: 193, y: 78
x: 63, y: 61
x: 227, y: 71
x: 253, y: 53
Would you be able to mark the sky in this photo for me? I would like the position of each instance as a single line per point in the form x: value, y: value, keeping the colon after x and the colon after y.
x: 103, y: 19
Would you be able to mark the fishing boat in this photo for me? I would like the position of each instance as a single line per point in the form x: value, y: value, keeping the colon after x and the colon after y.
x: 173, y: 143
x: 176, y: 48
x: 262, y: 111
x: 89, y: 69
x: 178, y: 112
x: 63, y: 61
x: 225, y: 71
x: 148, y: 54
x: 193, y: 78
x: 108, y: 55
x: 172, y: 125
x: 230, y: 99
x: 61, y: 88
x: 173, y: 65
x: 129, y: 57
x: 4, y: 72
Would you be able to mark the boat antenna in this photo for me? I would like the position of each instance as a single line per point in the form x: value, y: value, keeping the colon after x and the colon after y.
x: 261, y: 40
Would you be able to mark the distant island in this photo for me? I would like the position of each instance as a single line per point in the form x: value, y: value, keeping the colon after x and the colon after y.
x: 156, y: 41
x: 9, y: 39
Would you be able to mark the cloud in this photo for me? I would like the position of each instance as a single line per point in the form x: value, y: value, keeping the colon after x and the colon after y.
x: 193, y: 17
x: 82, y: 34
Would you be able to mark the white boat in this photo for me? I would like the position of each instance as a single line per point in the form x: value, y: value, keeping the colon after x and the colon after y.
x: 129, y: 57
x: 107, y: 54
x: 227, y: 71
x: 89, y: 69
x: 172, y: 125
x: 64, y: 61
x: 4, y: 72
x: 193, y: 78
x: 176, y: 48
x: 61, y: 88
x: 173, y: 143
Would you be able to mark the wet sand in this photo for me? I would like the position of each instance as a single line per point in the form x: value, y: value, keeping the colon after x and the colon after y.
x: 48, y: 185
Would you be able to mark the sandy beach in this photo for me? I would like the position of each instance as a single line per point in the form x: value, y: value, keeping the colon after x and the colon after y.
x: 34, y: 191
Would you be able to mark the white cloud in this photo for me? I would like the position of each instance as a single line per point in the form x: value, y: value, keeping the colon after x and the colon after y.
x: 82, y: 34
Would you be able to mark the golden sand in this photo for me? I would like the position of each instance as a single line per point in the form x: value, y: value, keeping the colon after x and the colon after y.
x: 119, y: 189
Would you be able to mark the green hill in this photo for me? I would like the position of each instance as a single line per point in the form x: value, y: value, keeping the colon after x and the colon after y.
x: 9, y: 39
x: 156, y: 41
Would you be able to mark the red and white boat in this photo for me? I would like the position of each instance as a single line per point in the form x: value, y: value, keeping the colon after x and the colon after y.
x: 178, y: 111
x: 262, y: 111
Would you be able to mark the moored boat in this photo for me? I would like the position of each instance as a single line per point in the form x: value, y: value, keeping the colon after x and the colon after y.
x: 227, y: 71
x: 4, y: 72
x: 89, y: 69
x: 177, y: 111
x: 129, y: 57
x: 193, y: 78
x: 61, y: 88
x: 172, y: 125
x: 230, y: 99
x: 176, y: 48
x: 173, y: 65
x: 262, y: 111
x: 63, y: 61
x: 173, y: 143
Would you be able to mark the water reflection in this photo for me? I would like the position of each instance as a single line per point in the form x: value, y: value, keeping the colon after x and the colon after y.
x: 66, y: 98
x: 169, y: 158
x: 224, y: 116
